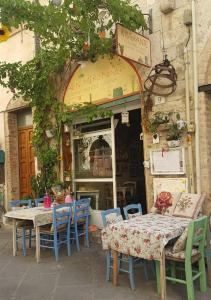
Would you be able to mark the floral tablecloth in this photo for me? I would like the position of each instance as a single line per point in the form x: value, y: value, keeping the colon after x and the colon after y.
x: 144, y: 236
x: 39, y: 215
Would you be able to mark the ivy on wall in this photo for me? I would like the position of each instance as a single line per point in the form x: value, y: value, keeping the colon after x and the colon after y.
x: 72, y: 31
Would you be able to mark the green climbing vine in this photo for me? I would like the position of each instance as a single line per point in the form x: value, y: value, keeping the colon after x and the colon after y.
x: 72, y: 31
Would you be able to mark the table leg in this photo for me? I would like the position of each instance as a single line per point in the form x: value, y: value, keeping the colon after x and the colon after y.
x: 37, y: 229
x: 115, y: 267
x: 162, y: 277
x: 14, y: 238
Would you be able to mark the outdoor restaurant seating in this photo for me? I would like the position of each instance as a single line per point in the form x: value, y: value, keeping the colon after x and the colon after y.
x: 53, y: 236
x: 193, y: 252
x: 80, y: 226
x: 112, y: 216
x: 23, y: 228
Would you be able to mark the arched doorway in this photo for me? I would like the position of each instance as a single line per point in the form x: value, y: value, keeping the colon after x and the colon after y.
x: 110, y: 174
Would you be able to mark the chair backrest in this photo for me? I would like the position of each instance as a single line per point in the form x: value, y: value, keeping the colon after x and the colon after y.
x: 208, y: 244
x: 19, y: 203
x: 197, y: 230
x: 111, y: 216
x: 136, y: 207
x: 81, y: 209
x: 62, y: 216
x: 38, y: 201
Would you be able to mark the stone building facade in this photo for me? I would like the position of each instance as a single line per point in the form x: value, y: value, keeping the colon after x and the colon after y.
x: 171, y: 33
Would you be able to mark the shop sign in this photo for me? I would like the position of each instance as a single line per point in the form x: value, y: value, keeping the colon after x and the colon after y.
x: 133, y: 46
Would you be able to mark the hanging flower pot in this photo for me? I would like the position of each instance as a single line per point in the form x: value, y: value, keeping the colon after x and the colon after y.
x: 102, y: 35
x: 4, y: 33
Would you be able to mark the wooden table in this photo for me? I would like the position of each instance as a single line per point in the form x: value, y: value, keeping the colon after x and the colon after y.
x: 39, y: 215
x: 145, y: 237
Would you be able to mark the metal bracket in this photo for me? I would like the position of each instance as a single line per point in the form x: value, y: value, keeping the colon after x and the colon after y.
x: 149, y: 15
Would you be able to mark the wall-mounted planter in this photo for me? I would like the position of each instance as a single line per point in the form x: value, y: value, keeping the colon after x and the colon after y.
x: 167, y: 6
x: 174, y: 143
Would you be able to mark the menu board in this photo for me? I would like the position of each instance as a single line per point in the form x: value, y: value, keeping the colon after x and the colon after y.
x: 168, y: 162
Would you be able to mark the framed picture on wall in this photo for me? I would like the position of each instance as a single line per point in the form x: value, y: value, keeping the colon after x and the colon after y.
x: 168, y: 162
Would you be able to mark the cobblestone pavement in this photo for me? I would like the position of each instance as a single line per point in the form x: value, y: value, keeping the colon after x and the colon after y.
x: 79, y: 277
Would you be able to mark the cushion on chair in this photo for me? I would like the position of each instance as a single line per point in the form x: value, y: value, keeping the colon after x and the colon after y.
x: 199, y: 207
x: 187, y: 205
x: 174, y: 199
x: 179, y: 255
x: 181, y: 242
x: 113, y: 218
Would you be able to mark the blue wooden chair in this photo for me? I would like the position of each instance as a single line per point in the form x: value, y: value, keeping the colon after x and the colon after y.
x: 132, y: 207
x: 80, y: 227
x: 53, y: 236
x: 23, y: 228
x: 38, y: 201
x: 108, y: 217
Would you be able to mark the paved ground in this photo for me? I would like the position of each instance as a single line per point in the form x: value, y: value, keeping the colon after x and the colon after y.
x: 79, y: 277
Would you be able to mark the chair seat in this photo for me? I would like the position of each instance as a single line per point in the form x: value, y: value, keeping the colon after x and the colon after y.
x: 180, y: 256
x: 47, y: 229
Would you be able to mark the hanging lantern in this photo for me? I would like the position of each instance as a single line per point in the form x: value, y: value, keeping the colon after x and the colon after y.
x: 162, y: 80
x: 4, y: 33
x: 85, y: 46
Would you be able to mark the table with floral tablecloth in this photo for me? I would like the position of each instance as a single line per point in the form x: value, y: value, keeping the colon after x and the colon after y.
x: 145, y: 237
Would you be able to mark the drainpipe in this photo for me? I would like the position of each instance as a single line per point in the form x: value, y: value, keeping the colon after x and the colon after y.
x: 196, y: 100
x: 187, y: 97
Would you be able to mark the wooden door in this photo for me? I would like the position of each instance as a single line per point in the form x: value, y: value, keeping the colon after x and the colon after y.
x: 26, y: 160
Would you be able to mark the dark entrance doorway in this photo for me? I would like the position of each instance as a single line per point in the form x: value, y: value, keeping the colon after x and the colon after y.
x: 130, y: 177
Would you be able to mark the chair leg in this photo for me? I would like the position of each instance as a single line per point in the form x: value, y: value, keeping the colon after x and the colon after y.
x: 56, y: 250
x: 208, y: 259
x: 202, y: 278
x: 24, y: 241
x: 16, y: 238
x: 87, y: 234
x: 157, y: 267
x: 189, y: 280
x: 145, y: 269
x: 173, y: 271
x: 77, y: 238
x: 131, y: 272
x: 108, y: 265
x: 68, y: 245
x: 30, y: 238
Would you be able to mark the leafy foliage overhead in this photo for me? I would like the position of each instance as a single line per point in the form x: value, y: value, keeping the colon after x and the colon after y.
x: 74, y: 30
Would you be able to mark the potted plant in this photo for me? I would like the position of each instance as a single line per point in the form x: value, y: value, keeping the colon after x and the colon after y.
x: 176, y: 130
x: 157, y: 120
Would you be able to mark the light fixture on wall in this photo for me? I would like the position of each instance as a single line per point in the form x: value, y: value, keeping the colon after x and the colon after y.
x: 49, y: 133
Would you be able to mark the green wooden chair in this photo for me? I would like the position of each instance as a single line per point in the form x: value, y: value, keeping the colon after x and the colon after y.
x: 194, y: 252
x: 208, y: 250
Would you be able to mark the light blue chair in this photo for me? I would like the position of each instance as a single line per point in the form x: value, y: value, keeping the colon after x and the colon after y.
x: 130, y: 260
x: 132, y: 207
x: 23, y: 228
x: 38, y: 201
x: 80, y: 227
x: 53, y: 236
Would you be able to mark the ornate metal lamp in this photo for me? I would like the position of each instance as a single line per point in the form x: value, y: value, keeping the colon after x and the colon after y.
x: 162, y: 80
